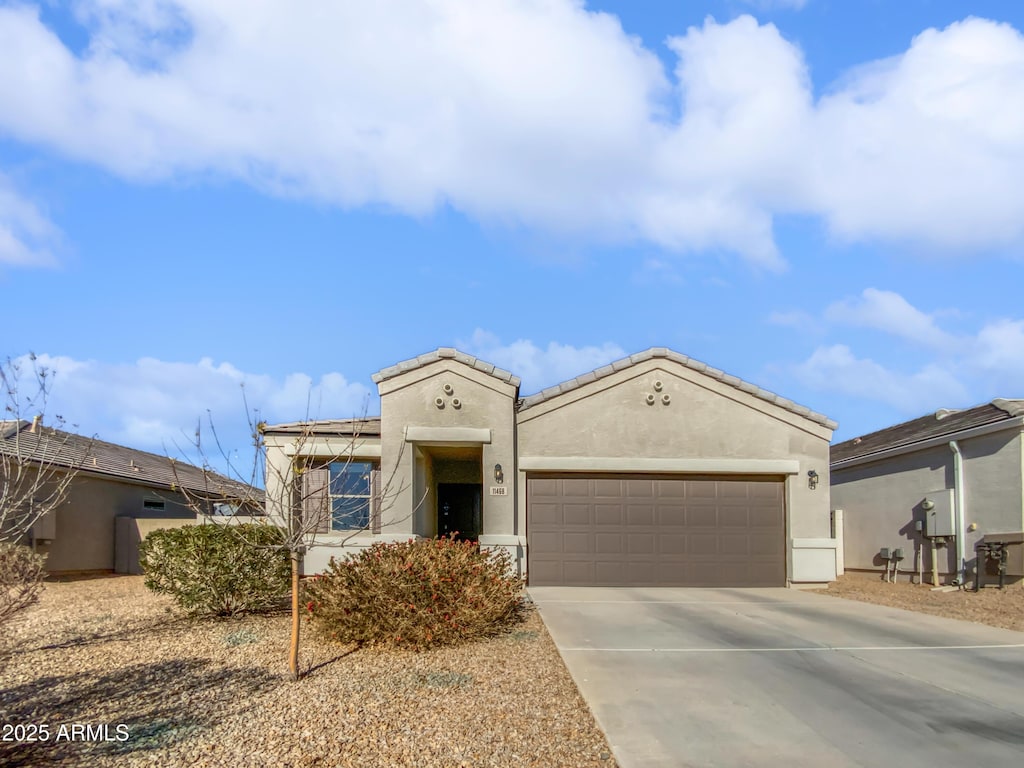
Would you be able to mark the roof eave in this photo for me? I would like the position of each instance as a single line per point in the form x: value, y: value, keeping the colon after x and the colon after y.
x: 1016, y: 422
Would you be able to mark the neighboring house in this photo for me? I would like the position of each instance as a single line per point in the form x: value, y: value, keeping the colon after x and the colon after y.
x: 952, y: 479
x: 654, y: 470
x: 110, y: 482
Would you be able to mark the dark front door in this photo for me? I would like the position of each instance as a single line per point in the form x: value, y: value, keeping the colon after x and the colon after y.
x: 458, y: 510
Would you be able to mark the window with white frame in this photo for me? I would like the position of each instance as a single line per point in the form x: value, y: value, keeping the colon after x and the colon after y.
x: 350, y: 490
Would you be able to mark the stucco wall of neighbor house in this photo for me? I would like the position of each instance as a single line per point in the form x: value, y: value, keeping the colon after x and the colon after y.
x: 409, y: 401
x: 708, y: 427
x: 992, y: 484
x: 881, y: 499
x: 129, y: 532
x: 85, y: 529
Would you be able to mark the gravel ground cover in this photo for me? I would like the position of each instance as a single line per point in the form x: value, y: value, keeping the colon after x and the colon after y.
x: 216, y: 693
x: 995, y: 607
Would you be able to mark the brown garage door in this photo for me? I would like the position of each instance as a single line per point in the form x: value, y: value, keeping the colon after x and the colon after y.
x: 643, y: 530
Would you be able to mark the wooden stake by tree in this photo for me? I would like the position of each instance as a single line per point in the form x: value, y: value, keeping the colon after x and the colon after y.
x: 300, y: 508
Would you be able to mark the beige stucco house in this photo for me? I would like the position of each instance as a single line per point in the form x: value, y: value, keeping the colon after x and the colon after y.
x: 114, y: 497
x: 935, y: 488
x: 654, y: 470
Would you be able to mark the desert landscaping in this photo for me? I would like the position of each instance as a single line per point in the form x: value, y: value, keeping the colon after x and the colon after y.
x: 216, y: 692
x: 995, y: 607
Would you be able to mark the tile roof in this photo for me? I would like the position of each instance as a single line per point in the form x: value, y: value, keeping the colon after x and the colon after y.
x: 689, y: 362
x: 444, y: 353
x: 68, y: 450
x: 365, y: 427
x: 942, y: 423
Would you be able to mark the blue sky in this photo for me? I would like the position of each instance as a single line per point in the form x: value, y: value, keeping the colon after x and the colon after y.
x: 825, y: 198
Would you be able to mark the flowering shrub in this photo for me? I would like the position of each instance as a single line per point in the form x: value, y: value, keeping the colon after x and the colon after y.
x: 218, y: 570
x: 415, y: 594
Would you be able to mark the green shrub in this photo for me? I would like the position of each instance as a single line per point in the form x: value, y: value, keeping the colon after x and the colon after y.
x: 415, y: 594
x: 21, y: 578
x: 218, y: 570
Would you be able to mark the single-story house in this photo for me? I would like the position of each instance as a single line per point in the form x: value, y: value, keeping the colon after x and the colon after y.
x: 116, y: 496
x: 935, y: 488
x: 654, y: 470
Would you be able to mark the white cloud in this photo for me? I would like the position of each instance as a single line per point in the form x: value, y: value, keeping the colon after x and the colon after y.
x: 998, y: 351
x: 929, y: 146
x: 26, y: 235
x: 539, y: 113
x: 889, y: 312
x: 836, y: 369
x: 989, y: 361
x: 156, y: 405
x: 541, y: 367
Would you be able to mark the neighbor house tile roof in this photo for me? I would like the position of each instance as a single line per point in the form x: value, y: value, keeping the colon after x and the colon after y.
x: 689, y: 362
x: 445, y: 353
x: 365, y: 427
x: 942, y: 423
x: 67, y: 450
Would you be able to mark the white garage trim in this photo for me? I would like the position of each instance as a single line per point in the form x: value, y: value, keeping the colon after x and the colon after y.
x: 630, y: 464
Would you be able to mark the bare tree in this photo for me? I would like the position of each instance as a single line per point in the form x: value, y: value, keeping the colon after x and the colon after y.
x: 297, y: 495
x: 37, y: 465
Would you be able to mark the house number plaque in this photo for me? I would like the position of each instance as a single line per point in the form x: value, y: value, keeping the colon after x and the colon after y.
x: 499, y: 490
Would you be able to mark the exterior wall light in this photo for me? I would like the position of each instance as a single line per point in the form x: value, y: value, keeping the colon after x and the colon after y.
x: 499, y: 476
x: 812, y: 479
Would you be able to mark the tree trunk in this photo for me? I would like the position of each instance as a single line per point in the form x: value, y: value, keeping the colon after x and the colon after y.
x: 293, y: 651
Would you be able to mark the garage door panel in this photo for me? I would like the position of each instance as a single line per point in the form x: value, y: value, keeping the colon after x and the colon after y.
x: 701, y: 489
x: 642, y: 572
x: 655, y: 531
x: 702, y: 544
x: 640, y: 544
x: 733, y: 490
x: 767, y: 545
x: 733, y: 545
x: 640, y: 489
x: 576, y: 514
x: 639, y: 514
x: 578, y: 572
x: 607, y: 488
x: 546, y: 542
x: 670, y: 489
x: 733, y: 517
x: 671, y: 514
x: 545, y: 486
x: 574, y: 486
x: 697, y: 516
x: 577, y: 543
x: 671, y: 544
x: 544, y: 514
x: 608, y: 514
x: 765, y: 491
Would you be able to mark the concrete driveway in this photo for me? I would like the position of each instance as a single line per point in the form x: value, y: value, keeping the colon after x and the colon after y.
x: 777, y: 677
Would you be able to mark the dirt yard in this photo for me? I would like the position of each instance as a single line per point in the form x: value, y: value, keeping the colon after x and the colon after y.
x: 998, y: 608
x: 105, y: 653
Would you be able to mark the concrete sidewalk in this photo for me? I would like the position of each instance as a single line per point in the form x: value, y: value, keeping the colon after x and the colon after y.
x: 768, y: 677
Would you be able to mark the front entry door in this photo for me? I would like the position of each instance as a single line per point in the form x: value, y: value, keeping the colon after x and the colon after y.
x: 458, y: 510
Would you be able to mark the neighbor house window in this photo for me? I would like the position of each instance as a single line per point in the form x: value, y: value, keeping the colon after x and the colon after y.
x: 351, y: 492
x: 152, y: 505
